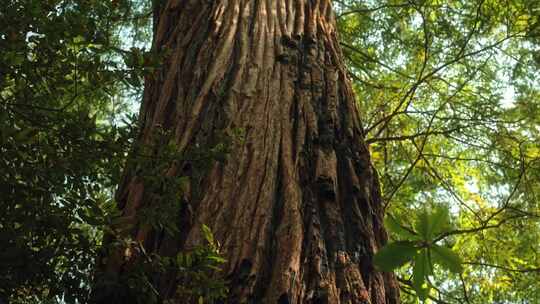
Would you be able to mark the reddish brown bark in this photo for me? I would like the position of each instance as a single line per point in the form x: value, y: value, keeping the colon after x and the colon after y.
x: 296, y: 205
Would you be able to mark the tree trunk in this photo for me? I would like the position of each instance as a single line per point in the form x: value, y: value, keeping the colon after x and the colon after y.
x: 296, y: 204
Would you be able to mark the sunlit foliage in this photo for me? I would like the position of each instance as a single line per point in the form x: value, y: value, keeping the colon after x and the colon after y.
x: 65, y: 128
x: 449, y: 91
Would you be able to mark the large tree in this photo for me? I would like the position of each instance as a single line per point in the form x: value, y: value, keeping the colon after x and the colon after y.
x: 294, y: 204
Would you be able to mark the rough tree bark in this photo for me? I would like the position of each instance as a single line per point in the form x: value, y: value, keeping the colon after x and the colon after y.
x: 296, y: 204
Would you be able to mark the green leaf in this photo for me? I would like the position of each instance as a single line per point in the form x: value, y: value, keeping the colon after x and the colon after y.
x: 429, y: 224
x: 447, y: 259
x: 439, y: 221
x: 216, y: 259
x: 422, y: 225
x: 421, y: 270
x: 208, y: 235
x: 78, y: 39
x: 395, y: 227
x: 394, y: 255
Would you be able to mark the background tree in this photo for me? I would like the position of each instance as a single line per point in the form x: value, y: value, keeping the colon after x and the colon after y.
x: 295, y: 204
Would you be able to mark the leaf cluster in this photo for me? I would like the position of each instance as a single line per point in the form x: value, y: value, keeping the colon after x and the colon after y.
x: 418, y: 245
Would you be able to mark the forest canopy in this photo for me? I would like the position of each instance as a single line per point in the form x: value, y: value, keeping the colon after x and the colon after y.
x: 449, y: 98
